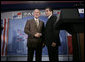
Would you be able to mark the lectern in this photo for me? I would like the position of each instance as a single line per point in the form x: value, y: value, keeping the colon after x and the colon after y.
x: 70, y: 21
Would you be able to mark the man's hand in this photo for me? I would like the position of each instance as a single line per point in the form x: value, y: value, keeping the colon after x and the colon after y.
x: 53, y: 44
x: 38, y: 35
x: 43, y: 45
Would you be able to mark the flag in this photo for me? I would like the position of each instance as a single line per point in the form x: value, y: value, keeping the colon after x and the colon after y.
x: 4, y: 37
x: 69, y: 38
x: 17, y: 15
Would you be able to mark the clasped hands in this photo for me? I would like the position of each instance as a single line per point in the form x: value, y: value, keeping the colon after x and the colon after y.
x: 38, y: 35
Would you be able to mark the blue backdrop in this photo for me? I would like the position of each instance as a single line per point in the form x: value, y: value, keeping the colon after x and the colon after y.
x: 17, y: 40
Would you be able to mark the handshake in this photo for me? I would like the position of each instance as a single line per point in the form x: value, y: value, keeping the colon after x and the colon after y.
x: 38, y: 35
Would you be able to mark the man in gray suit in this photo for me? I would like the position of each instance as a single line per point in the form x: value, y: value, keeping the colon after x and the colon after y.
x: 34, y: 29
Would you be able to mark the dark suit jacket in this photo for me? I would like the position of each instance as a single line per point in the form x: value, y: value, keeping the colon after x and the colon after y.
x: 31, y: 29
x: 51, y: 35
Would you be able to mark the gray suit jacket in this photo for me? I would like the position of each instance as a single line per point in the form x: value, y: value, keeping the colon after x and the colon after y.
x: 31, y: 29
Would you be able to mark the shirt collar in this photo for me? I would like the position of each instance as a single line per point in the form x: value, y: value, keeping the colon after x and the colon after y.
x: 49, y: 16
x: 35, y: 18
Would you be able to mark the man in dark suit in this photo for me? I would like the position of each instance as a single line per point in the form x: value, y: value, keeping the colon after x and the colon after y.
x: 52, y: 40
x: 34, y: 30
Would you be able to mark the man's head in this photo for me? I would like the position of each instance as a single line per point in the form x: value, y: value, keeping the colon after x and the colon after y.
x: 36, y: 13
x: 48, y: 11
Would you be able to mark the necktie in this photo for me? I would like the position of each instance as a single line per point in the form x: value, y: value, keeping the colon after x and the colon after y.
x: 37, y: 22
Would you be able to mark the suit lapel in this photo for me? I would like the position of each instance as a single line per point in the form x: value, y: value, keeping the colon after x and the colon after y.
x: 39, y: 24
x: 34, y: 23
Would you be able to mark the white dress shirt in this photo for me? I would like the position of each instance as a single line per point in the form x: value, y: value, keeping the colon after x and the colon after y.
x: 49, y: 16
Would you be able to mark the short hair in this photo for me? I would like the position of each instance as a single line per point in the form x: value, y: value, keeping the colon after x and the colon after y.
x: 50, y: 9
x: 36, y: 9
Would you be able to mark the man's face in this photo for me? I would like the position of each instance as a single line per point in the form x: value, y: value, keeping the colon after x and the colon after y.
x: 48, y: 12
x: 36, y: 13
